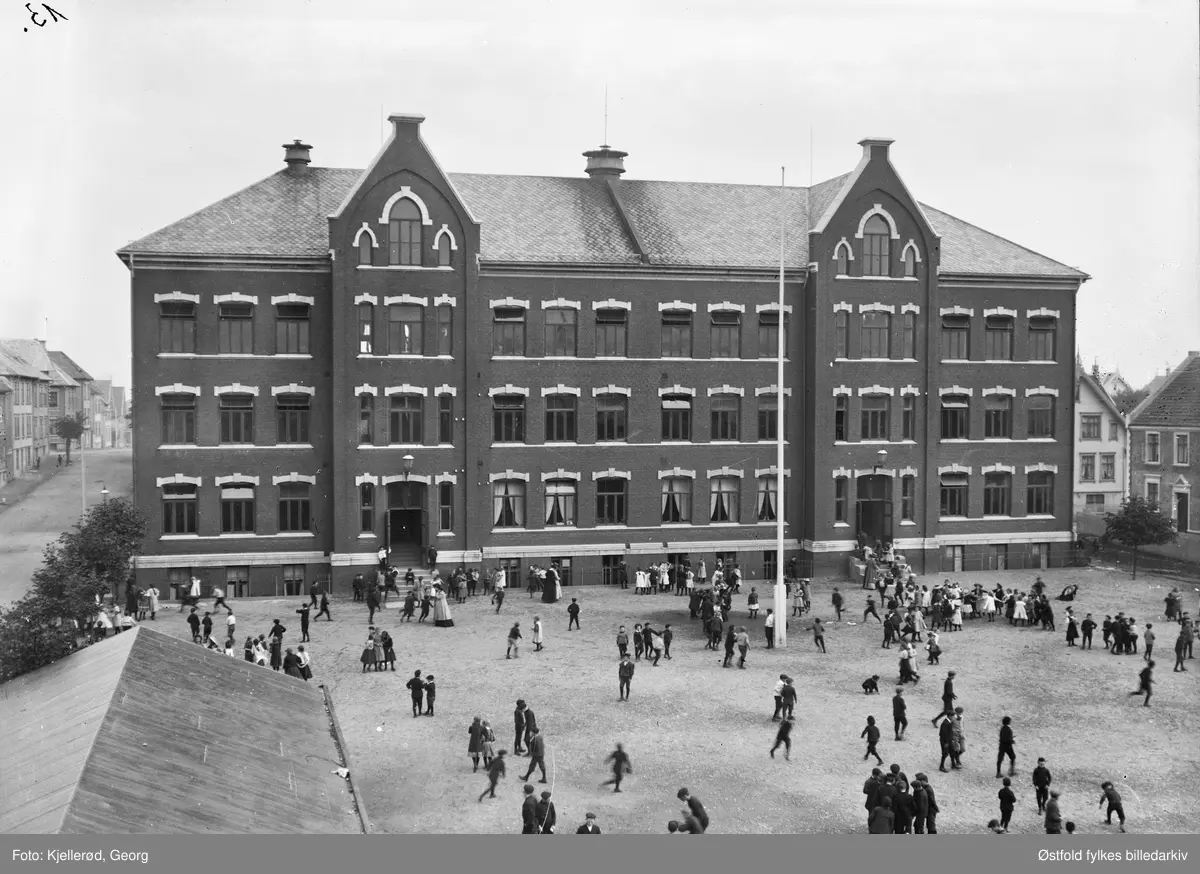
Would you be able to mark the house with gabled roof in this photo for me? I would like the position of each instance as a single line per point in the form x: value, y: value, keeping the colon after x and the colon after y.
x: 1165, y: 445
x: 1101, y: 453
x: 525, y: 369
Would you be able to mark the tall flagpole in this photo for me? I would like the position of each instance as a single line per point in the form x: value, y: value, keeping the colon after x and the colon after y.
x: 781, y: 601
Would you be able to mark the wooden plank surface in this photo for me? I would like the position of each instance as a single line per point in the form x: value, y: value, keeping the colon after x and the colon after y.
x: 188, y: 741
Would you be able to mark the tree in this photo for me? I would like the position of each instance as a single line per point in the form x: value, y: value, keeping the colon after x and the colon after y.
x: 1127, y: 400
x: 1139, y: 523
x: 71, y: 428
x: 78, y: 570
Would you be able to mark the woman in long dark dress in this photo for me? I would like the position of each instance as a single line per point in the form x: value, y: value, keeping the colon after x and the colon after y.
x: 291, y: 665
x: 276, y: 653
x: 249, y: 649
x: 550, y: 588
x: 475, y: 734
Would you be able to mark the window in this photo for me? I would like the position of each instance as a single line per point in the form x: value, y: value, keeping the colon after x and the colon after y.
x: 1089, y: 427
x: 726, y: 337
x: 237, y: 418
x: 404, y: 233
x: 875, y: 424
x: 508, y: 331
x: 1152, y: 451
x: 908, y: 336
x: 768, y: 335
x: 237, y: 508
x: 179, y: 508
x: 1183, y: 449
x: 443, y: 251
x: 295, y: 511
x: 560, y: 332
x: 1108, y: 467
x: 366, y: 419
x: 177, y: 326
x: 954, y: 494
x: 292, y: 417
x: 876, y: 239
x: 1094, y: 503
x: 445, y: 418
x: 1152, y: 493
x: 366, y: 507
x: 725, y: 411
x: 841, y: 492
x: 508, y: 419
x: 1041, y: 339
x: 179, y: 580
x: 1039, y: 494
x: 997, y: 417
x: 997, y: 338
x: 291, y: 328
x: 768, y: 499
x: 1112, y: 430
x: 1087, y: 468
x: 610, y: 501
x: 677, y: 500
x: 677, y: 334
x: 768, y: 418
x: 955, y: 417
x: 841, y: 334
x: 235, y: 329
x: 956, y: 338
x: 405, y: 322
x: 995, y: 557
x: 178, y: 419
x: 908, y: 417
x: 610, y: 418
x: 875, y: 338
x: 1040, y: 410
x: 508, y: 504
x: 560, y: 418
x: 611, y: 333
x: 366, y: 328
x: 676, y: 417
x: 997, y: 494
x: 843, y: 261
x: 445, y: 330
x: 910, y: 261
x: 724, y: 499
x: 610, y: 569
x: 405, y: 420
x: 446, y: 505
x: 560, y: 502
x: 908, y: 498
x: 237, y: 581
x: 293, y: 580
x: 52, y: 398
x: 364, y: 248
x: 841, y: 416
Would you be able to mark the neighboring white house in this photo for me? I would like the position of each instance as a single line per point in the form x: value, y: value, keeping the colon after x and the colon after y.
x: 1101, y: 454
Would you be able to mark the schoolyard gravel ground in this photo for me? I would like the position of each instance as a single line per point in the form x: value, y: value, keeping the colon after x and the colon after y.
x: 692, y: 723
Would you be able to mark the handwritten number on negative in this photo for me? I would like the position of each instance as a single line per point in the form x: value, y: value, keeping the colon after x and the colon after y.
x: 34, y: 14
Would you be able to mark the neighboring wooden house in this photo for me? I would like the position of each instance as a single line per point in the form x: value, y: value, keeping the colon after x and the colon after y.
x: 1164, y: 437
x: 1101, y: 480
x: 149, y: 734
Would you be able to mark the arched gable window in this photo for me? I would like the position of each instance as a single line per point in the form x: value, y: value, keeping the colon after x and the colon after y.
x: 443, y: 251
x: 404, y: 233
x: 910, y: 261
x: 876, y: 240
x: 364, y: 249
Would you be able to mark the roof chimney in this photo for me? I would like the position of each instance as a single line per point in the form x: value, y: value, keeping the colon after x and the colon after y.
x: 875, y: 148
x: 605, y: 162
x: 296, y: 156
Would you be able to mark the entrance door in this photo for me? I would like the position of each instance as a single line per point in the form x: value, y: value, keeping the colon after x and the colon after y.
x: 407, y: 517
x: 1181, y: 511
x: 874, y: 509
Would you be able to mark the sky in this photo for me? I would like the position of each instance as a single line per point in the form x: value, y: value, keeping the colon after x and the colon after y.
x: 1072, y: 128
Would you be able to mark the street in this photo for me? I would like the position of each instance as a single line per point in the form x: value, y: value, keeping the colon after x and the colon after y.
x: 53, y: 508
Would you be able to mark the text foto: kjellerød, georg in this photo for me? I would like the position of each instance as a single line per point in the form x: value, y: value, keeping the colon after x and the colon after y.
x: 79, y: 856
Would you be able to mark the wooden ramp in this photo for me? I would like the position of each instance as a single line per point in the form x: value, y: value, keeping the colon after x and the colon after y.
x: 149, y: 734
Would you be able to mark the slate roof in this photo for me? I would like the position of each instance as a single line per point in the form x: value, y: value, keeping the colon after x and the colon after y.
x: 545, y: 219
x: 5, y: 385
x: 149, y: 734
x: 67, y: 364
x: 1176, y: 401
x: 25, y: 358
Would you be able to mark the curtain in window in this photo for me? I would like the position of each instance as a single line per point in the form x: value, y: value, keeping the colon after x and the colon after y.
x: 510, y: 505
x: 766, y: 503
x: 719, y: 504
x: 673, y: 491
x: 560, y: 505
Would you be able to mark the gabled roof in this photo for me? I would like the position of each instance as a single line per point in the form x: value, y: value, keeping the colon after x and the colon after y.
x: 1175, y: 402
x: 26, y: 358
x: 1099, y: 390
x: 5, y: 385
x: 148, y: 734
x: 548, y: 219
x: 66, y: 363
x: 59, y: 377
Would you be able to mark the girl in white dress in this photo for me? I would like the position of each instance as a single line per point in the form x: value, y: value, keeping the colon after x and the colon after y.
x: 1019, y: 614
x: 989, y: 606
x: 689, y: 580
x: 641, y: 582
x: 957, y: 617
x: 538, y: 639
